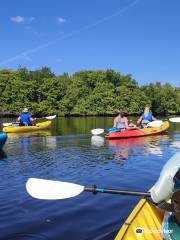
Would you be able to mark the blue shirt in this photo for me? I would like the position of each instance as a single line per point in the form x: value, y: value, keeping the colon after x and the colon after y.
x: 148, y: 117
x: 25, y: 119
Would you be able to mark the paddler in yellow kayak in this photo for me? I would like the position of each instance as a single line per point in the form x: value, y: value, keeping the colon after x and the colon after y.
x: 145, y: 118
x: 25, y: 119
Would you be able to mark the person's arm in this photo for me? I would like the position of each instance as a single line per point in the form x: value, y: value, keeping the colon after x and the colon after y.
x: 114, y: 123
x: 32, y: 120
x: 153, y: 118
x: 19, y: 119
x: 139, y: 120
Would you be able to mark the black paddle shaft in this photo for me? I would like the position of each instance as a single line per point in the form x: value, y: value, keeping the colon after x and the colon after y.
x: 95, y: 190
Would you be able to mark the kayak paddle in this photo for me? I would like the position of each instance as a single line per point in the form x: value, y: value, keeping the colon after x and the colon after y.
x: 55, y: 190
x: 97, y: 131
x: 9, y: 124
x: 156, y: 123
x: 48, y: 117
x: 175, y: 119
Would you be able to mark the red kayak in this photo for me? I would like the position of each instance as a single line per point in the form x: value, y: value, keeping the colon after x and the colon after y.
x: 138, y: 132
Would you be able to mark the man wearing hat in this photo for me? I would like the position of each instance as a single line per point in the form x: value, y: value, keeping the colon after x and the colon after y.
x: 25, y: 118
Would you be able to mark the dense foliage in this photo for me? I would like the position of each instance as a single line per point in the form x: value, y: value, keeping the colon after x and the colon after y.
x: 83, y: 93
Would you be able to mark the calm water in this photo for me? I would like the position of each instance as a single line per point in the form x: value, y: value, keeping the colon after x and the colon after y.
x: 69, y: 153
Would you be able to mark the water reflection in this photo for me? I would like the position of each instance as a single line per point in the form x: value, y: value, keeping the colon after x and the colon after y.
x: 175, y: 144
x: 51, y: 142
x: 2, y: 154
x: 41, y: 133
x: 25, y: 145
x: 145, y: 145
x: 37, y: 144
x: 97, y: 141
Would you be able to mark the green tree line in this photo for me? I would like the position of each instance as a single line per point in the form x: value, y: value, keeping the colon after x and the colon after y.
x: 83, y: 93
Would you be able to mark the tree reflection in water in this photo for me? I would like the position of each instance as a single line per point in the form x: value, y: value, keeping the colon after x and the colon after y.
x: 145, y: 145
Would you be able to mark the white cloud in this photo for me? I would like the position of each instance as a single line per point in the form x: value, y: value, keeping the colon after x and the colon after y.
x: 17, y: 19
x: 61, y: 20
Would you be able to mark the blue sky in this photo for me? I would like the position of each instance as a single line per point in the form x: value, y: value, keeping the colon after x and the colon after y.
x: 140, y: 37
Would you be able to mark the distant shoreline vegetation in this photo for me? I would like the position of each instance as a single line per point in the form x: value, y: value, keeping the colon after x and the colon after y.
x: 85, y: 93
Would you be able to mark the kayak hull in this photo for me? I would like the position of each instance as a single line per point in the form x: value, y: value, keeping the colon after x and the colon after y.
x: 38, y: 126
x: 3, y: 138
x: 144, y: 223
x: 138, y: 132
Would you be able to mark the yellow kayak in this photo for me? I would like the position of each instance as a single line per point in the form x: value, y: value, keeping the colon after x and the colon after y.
x: 20, y: 129
x: 144, y: 223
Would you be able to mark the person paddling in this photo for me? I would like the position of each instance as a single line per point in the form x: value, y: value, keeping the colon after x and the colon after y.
x: 121, y: 122
x: 25, y: 118
x: 146, y: 117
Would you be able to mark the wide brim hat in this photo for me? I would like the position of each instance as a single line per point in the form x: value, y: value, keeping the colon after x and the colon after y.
x: 25, y: 110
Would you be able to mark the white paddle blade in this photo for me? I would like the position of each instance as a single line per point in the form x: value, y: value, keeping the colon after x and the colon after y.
x: 52, y: 190
x: 51, y: 117
x: 97, y: 131
x: 7, y: 124
x: 154, y: 124
x: 176, y: 119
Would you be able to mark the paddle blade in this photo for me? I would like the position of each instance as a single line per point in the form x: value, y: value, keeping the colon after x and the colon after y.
x: 52, y: 190
x: 176, y: 119
x: 7, y: 124
x: 51, y: 117
x: 97, y: 131
x: 154, y: 124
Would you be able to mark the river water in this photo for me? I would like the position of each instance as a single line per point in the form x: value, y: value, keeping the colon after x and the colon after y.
x: 69, y: 153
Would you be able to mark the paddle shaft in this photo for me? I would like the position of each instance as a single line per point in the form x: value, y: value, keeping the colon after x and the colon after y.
x: 95, y: 190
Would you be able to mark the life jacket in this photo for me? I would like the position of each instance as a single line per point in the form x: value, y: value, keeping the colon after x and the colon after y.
x: 120, y: 124
x: 147, y: 118
x: 25, y: 119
